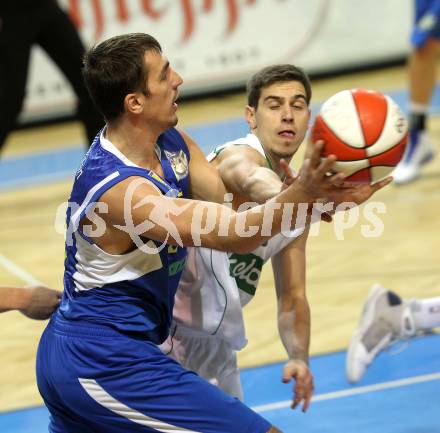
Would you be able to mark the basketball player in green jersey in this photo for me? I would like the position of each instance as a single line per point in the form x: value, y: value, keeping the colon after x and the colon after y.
x: 214, y: 287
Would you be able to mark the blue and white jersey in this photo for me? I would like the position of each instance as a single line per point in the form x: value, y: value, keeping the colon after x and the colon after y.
x: 133, y: 292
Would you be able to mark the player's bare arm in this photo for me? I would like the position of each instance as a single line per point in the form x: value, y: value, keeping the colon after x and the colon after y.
x: 35, y: 302
x: 185, y: 217
x: 244, y: 171
x: 204, y: 179
x: 179, y: 221
x: 294, y: 317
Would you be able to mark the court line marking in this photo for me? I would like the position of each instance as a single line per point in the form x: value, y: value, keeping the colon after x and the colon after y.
x: 353, y: 391
x: 14, y: 269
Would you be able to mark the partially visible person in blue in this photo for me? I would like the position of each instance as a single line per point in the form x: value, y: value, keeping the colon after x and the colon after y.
x: 23, y: 24
x: 98, y: 365
x: 422, y: 66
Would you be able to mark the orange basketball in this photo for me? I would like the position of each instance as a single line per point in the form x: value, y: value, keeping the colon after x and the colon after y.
x: 367, y: 132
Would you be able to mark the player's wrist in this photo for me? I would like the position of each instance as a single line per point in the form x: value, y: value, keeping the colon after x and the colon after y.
x: 301, y: 358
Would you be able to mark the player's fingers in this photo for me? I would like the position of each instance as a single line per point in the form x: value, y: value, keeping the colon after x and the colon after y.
x: 315, y: 154
x: 305, y: 168
x: 298, y: 390
x: 307, y: 400
x: 325, y: 166
x: 349, y: 184
x: 288, y: 375
x: 298, y: 396
x: 288, y: 172
x: 338, y: 180
x: 308, y: 394
x: 326, y: 217
x: 309, y: 149
x: 381, y: 184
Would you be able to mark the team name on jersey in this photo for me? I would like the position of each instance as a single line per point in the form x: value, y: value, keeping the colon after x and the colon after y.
x: 246, y: 269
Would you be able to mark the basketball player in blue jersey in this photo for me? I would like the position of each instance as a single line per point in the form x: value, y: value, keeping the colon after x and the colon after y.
x: 98, y: 365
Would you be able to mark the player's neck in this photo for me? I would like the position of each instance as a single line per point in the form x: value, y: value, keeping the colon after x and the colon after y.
x: 136, y: 143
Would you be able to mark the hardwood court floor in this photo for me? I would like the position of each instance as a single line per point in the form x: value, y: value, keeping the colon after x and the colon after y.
x: 405, y: 257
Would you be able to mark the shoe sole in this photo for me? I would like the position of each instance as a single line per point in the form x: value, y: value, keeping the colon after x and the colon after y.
x: 375, y: 291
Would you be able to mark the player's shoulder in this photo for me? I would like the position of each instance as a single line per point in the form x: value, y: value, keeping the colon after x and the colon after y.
x: 240, y: 150
x: 132, y: 187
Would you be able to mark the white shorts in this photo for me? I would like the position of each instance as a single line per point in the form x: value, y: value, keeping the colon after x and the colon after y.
x: 209, y: 356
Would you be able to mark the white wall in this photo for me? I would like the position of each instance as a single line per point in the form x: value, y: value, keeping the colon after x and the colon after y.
x: 218, y: 43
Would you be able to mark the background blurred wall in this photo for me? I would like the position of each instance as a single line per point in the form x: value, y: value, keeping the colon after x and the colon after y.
x: 217, y: 44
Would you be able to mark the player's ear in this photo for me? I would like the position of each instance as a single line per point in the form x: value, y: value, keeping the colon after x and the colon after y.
x: 249, y: 113
x: 133, y: 103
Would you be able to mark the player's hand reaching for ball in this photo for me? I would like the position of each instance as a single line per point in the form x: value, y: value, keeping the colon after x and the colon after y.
x: 313, y: 174
x: 289, y: 175
x: 303, y: 389
x: 42, y: 302
x: 358, y: 193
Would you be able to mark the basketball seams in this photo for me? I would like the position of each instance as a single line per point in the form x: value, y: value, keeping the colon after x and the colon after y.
x: 358, y: 119
x: 340, y: 139
x: 372, y: 111
x: 326, y: 130
x: 334, y: 123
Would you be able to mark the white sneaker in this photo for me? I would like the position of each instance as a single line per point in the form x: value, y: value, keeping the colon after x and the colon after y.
x: 384, y: 319
x: 419, y: 151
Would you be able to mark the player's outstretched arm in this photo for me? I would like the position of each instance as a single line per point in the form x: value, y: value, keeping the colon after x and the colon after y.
x: 137, y: 207
x: 294, y: 318
x: 35, y: 302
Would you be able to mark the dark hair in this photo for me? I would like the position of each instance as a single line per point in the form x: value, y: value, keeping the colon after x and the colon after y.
x: 275, y: 74
x: 115, y: 68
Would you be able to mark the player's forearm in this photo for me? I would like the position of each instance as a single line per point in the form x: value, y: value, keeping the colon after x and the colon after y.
x: 14, y: 298
x: 193, y: 223
x: 294, y: 330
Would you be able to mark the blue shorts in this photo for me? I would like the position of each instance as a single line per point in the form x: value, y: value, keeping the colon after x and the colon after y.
x: 94, y: 379
x: 427, y: 22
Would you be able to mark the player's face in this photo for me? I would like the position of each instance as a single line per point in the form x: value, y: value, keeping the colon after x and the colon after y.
x: 163, y: 82
x: 281, y: 118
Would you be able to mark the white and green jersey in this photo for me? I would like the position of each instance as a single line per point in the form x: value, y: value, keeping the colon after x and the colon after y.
x: 216, y: 285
